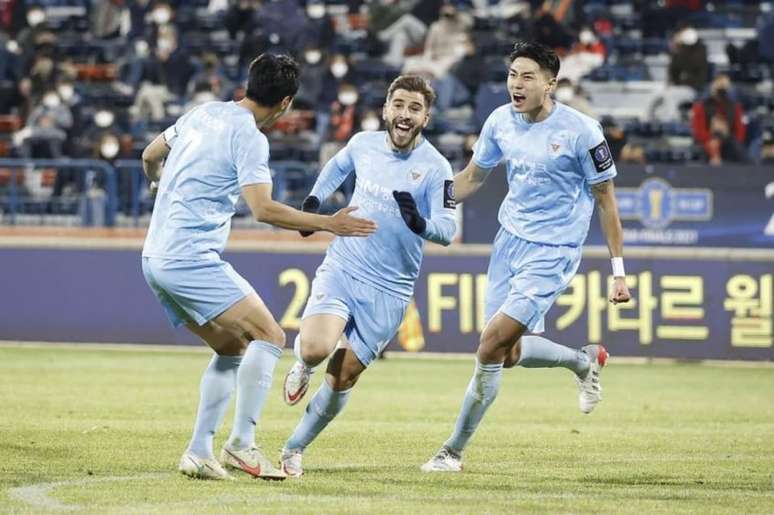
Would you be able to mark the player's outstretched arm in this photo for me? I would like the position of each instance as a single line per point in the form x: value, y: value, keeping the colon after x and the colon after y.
x: 258, y: 198
x: 153, y: 156
x: 332, y: 175
x: 604, y: 193
x: 469, y: 180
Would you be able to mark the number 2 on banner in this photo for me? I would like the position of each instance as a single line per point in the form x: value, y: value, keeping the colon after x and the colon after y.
x: 292, y: 317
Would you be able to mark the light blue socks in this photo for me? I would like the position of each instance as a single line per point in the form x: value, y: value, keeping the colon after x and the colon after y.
x: 217, y: 385
x: 253, y: 384
x: 539, y: 352
x: 323, y: 408
x: 481, y: 392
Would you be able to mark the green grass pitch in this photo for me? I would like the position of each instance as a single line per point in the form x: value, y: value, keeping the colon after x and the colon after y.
x: 102, y: 430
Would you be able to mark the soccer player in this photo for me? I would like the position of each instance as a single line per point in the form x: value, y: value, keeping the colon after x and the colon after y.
x: 363, y: 287
x: 214, y: 153
x: 558, y: 163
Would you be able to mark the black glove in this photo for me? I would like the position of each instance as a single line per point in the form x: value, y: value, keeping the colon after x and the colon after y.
x: 311, y: 204
x: 409, y: 211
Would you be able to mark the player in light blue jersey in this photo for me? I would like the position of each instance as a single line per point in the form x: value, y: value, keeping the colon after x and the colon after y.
x: 210, y: 156
x: 362, y: 289
x: 557, y: 163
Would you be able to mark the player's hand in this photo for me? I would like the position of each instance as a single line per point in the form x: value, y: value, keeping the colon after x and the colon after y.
x: 344, y: 224
x: 620, y: 293
x: 409, y: 211
x: 311, y: 204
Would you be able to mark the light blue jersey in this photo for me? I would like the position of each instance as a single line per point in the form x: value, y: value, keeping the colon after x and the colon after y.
x: 550, y: 165
x: 215, y: 149
x: 389, y: 259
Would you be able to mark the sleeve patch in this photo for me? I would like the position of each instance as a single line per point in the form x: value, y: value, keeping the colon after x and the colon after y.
x: 601, y: 157
x: 449, y: 200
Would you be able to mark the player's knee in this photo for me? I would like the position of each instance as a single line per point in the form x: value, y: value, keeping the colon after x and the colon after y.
x: 314, y: 350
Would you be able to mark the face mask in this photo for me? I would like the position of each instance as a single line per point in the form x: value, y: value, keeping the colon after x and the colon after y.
x: 141, y: 49
x: 721, y: 93
x: 689, y: 37
x: 12, y: 46
x: 370, y: 124
x: 564, y: 94
x: 161, y: 16
x: 35, y: 17
x: 313, y: 56
x: 104, y: 118
x: 587, y: 37
x: 109, y: 147
x: 348, y: 98
x: 165, y: 45
x: 51, y: 100
x: 315, y: 11
x: 66, y: 91
x: 339, y: 69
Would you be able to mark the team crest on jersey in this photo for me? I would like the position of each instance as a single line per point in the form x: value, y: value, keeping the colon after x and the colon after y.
x: 415, y: 175
x: 555, y: 147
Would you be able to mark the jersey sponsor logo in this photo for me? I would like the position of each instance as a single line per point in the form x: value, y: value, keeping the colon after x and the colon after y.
x: 449, y: 199
x: 601, y: 157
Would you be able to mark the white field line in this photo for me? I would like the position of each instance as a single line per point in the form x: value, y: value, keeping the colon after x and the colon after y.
x: 38, y: 494
x: 200, y: 349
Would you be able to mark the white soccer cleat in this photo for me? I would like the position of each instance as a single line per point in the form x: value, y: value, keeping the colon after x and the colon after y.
x: 201, y: 468
x: 589, y: 389
x: 296, y: 383
x: 251, y: 461
x: 290, y: 462
x: 445, y: 460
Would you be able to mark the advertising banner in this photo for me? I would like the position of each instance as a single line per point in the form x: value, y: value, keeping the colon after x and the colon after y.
x: 729, y: 206
x: 683, y: 307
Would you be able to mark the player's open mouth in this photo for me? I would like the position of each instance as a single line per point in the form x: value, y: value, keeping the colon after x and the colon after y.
x: 518, y: 99
x: 402, y: 129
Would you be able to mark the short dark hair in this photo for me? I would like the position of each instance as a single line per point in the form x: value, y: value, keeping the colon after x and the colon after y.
x: 271, y: 78
x: 413, y: 83
x: 541, y: 54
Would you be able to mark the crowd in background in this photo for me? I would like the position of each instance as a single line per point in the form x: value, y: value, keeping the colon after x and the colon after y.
x: 100, y: 78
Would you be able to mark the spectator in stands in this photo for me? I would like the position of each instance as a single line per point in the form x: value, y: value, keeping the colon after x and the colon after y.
x: 319, y: 30
x: 460, y: 85
x: 622, y: 150
x: 208, y: 84
x: 10, y: 75
x: 106, y: 18
x: 166, y: 74
x: 688, y: 65
x: 718, y: 123
x: 46, y: 129
x: 767, y: 149
x: 401, y: 27
x: 548, y: 30
x: 571, y: 95
x: 586, y: 55
x: 444, y: 46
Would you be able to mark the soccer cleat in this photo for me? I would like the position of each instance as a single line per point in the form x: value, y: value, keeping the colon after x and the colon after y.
x: 290, y: 462
x: 201, y: 468
x: 296, y: 383
x: 251, y: 461
x: 445, y: 460
x: 589, y: 389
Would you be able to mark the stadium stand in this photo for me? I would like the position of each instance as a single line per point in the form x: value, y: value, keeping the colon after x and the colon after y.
x: 96, y: 80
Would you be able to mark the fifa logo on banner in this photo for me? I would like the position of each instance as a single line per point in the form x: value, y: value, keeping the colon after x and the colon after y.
x: 656, y: 204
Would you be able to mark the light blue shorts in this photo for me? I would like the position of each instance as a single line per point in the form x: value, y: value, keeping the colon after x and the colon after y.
x: 372, y: 316
x: 525, y: 278
x: 194, y: 291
